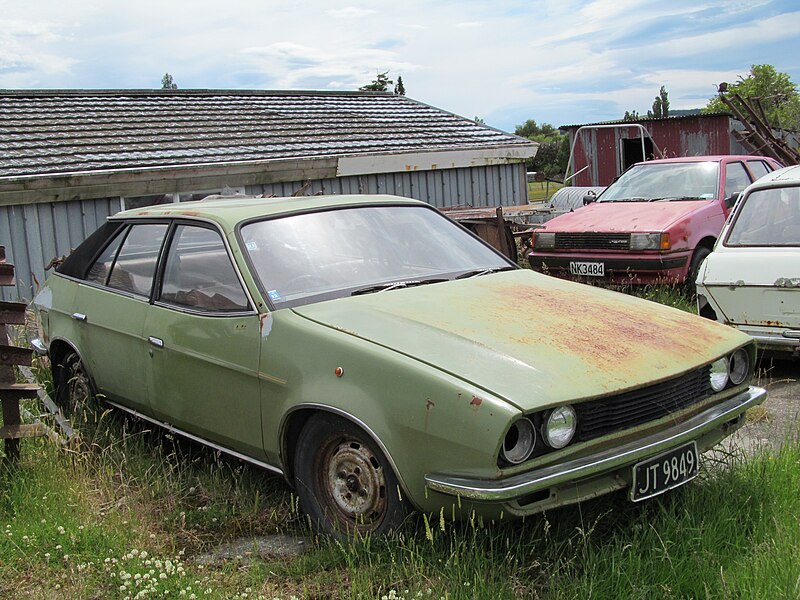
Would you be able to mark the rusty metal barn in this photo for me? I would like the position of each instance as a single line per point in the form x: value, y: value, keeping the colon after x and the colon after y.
x: 604, y: 152
x: 69, y: 159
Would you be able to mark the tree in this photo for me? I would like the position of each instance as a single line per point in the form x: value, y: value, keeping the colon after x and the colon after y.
x: 399, y: 88
x: 778, y: 95
x: 553, y: 153
x: 381, y: 83
x: 167, y: 83
x: 631, y: 116
x: 660, y: 105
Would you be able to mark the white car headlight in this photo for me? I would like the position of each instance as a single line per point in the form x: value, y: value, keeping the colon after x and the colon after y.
x: 560, y: 426
x: 544, y: 240
x: 649, y: 241
x: 519, y: 441
x: 719, y: 374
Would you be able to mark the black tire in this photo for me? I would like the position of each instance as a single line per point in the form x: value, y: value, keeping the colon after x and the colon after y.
x: 344, y: 482
x: 73, y: 386
x: 698, y: 257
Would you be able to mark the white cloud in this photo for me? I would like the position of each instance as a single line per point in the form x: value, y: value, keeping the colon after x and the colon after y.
x: 350, y: 12
x: 552, y: 60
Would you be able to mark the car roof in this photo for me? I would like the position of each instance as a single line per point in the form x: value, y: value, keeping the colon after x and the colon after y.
x: 712, y: 158
x: 231, y: 210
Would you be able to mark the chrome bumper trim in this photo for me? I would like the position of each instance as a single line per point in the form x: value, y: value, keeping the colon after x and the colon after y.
x: 39, y: 347
x: 516, y: 486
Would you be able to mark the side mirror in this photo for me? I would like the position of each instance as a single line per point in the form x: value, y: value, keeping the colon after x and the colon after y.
x: 589, y: 198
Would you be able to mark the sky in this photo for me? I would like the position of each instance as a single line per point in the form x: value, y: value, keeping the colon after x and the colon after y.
x: 555, y: 61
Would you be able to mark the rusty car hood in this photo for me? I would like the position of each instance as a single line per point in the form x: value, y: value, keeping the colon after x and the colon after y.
x: 533, y: 340
x: 627, y: 216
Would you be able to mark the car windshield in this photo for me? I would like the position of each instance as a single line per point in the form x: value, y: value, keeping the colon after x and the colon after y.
x: 767, y: 217
x: 653, y: 182
x: 349, y: 251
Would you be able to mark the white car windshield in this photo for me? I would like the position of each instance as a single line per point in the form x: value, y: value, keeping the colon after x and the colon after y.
x: 350, y: 251
x: 767, y: 217
x: 665, y: 182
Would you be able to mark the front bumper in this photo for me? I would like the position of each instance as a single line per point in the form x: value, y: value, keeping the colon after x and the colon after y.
x: 719, y: 417
x: 39, y: 347
x: 617, y: 267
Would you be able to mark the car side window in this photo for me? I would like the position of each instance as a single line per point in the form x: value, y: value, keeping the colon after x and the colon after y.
x: 198, y: 273
x: 758, y: 168
x: 736, y: 179
x: 98, y: 273
x: 135, y: 265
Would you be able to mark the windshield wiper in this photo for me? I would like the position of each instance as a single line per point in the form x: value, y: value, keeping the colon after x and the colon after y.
x: 488, y: 271
x: 671, y: 198
x: 394, y: 285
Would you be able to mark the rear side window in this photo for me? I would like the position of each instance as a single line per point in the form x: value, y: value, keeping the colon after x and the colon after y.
x: 198, y: 273
x: 758, y: 168
x: 128, y: 264
x: 736, y: 179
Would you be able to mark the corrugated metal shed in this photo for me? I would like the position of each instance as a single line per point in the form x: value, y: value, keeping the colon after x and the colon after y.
x: 70, y: 158
x: 608, y: 152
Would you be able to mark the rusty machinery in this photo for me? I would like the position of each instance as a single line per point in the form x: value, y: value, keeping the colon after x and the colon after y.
x: 11, y: 392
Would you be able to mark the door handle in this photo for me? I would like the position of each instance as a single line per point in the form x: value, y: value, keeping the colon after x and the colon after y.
x: 79, y: 316
x: 154, y: 341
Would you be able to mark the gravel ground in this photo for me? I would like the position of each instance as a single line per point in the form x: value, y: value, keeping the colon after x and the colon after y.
x: 778, y: 418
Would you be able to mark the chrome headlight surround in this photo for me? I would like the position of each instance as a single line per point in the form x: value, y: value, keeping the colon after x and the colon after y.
x: 559, y: 426
x: 544, y: 240
x: 739, y: 366
x: 519, y: 442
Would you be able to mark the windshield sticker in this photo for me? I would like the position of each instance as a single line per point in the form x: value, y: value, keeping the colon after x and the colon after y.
x: 251, y: 245
x: 274, y: 295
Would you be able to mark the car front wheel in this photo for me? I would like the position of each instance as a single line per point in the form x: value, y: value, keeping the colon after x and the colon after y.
x: 344, y: 481
x: 73, y: 386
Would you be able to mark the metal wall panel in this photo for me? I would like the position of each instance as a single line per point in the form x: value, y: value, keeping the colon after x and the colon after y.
x: 497, y: 185
x: 33, y: 234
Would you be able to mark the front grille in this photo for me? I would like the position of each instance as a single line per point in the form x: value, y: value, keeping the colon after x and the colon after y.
x: 593, y: 241
x: 615, y: 413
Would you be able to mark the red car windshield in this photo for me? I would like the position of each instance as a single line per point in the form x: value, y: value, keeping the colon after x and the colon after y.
x: 665, y: 182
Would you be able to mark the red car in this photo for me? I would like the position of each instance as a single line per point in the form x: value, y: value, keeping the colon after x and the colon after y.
x: 654, y: 224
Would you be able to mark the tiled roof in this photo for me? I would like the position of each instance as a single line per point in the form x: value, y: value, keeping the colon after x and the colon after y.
x: 71, y: 131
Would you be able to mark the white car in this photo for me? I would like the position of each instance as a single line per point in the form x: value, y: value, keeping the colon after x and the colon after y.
x: 752, y: 278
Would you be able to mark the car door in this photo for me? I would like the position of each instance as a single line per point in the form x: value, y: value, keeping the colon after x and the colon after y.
x: 203, y: 338
x: 755, y: 274
x: 110, y: 308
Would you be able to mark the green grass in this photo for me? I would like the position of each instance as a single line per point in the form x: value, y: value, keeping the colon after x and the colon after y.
x: 539, y: 192
x: 126, y: 510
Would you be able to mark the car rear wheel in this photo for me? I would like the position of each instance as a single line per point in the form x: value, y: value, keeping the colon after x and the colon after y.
x: 344, y: 481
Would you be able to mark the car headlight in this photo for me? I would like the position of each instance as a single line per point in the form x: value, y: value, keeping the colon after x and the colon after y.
x: 719, y: 374
x: 519, y: 441
x: 739, y: 366
x: 544, y: 240
x: 650, y: 241
x: 560, y: 426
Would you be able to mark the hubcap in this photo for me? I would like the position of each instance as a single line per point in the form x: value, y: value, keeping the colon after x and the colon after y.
x: 355, y: 483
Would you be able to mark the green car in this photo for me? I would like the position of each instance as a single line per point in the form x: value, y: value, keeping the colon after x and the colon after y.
x: 383, y: 359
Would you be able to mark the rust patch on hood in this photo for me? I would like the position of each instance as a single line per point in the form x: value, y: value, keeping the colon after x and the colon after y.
x: 476, y: 402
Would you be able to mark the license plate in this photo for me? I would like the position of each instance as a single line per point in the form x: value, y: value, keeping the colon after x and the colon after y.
x: 664, y: 472
x: 592, y: 269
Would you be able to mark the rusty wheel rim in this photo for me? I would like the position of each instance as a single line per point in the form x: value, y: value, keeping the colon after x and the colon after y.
x: 352, y: 483
x: 77, y: 385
